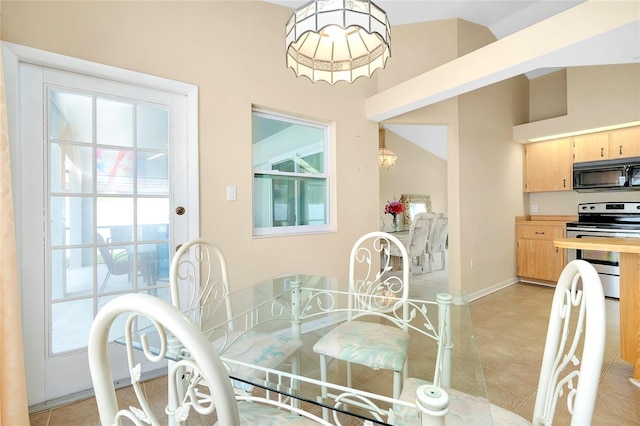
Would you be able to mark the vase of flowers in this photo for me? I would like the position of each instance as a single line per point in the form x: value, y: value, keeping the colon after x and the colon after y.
x: 394, y: 208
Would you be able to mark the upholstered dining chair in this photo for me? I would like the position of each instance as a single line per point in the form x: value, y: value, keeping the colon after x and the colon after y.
x: 198, y: 275
x: 571, y: 362
x: 378, y: 344
x: 206, y: 371
x: 417, y: 239
x: 437, y: 241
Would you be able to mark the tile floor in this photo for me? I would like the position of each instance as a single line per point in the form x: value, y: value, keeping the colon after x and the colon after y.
x: 510, y: 326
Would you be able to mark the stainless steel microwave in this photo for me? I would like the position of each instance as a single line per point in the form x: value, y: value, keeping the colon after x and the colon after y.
x: 607, y: 175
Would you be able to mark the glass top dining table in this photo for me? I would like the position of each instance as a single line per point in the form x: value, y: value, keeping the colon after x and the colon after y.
x: 303, y: 308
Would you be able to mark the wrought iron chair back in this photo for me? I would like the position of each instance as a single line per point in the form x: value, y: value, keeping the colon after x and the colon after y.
x: 206, y: 389
x: 198, y: 274
x: 578, y: 287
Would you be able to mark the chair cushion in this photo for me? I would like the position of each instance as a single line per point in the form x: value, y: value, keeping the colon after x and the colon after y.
x: 264, y: 349
x: 377, y: 346
x: 464, y: 409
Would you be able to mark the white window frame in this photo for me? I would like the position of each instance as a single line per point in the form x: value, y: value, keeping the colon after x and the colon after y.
x: 326, y: 175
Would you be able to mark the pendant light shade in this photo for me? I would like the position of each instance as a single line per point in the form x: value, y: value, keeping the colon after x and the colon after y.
x: 337, y: 40
x: 386, y: 158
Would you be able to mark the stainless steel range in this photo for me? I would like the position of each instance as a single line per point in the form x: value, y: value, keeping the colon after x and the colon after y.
x: 605, y: 220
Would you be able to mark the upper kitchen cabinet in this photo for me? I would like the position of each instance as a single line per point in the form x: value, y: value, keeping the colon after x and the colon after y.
x: 620, y: 143
x: 624, y: 143
x: 547, y: 166
x: 591, y: 147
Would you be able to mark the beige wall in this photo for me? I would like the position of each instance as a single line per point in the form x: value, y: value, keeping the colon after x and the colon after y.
x: 417, y: 48
x: 597, y: 96
x: 548, y: 96
x: 490, y: 182
x: 234, y: 53
x: 605, y: 93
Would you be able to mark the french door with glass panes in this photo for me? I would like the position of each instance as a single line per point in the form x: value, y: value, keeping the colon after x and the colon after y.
x: 103, y: 168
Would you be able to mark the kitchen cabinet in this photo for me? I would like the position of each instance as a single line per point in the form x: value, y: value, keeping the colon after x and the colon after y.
x: 620, y: 143
x: 537, y: 258
x: 624, y: 143
x: 591, y: 147
x: 547, y: 166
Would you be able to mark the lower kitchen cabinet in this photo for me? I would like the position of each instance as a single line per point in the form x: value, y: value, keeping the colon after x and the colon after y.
x: 537, y: 259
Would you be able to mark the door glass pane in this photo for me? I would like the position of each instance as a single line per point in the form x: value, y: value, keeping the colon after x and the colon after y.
x: 114, y: 171
x: 71, y: 168
x: 71, y: 272
x: 70, y: 324
x: 116, y: 268
x: 70, y: 117
x: 71, y: 220
x: 153, y: 173
x: 113, y: 214
x: 152, y: 127
x: 153, y: 226
x: 114, y: 123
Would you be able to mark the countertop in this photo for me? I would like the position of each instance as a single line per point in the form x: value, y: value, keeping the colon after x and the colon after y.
x: 621, y: 245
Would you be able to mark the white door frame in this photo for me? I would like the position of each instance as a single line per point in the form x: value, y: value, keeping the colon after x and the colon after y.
x: 13, y: 55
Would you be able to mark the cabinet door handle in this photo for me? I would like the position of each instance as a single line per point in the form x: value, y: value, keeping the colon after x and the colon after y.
x: 539, y: 233
x: 601, y: 152
x: 564, y: 183
x: 620, y: 149
x: 556, y: 249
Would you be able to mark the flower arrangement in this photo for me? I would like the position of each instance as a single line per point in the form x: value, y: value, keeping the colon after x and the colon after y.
x: 394, y: 208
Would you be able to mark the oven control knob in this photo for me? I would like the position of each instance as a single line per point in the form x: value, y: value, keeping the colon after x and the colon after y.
x: 592, y: 207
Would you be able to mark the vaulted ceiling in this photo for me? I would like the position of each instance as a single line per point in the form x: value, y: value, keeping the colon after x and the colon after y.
x: 604, y: 40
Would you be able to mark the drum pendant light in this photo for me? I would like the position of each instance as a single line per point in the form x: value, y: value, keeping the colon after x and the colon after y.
x: 337, y: 40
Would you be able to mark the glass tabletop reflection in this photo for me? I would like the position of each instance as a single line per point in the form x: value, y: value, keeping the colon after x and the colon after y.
x: 298, y: 310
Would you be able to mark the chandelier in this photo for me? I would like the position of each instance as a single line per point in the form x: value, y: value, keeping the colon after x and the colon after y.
x: 337, y: 40
x: 386, y: 158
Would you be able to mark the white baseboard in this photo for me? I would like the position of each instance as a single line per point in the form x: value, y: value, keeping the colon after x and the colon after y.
x: 89, y: 393
x: 492, y: 289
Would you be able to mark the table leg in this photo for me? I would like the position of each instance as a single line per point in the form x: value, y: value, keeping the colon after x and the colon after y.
x: 296, y: 329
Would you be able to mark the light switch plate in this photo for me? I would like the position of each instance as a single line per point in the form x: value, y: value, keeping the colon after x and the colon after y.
x: 231, y: 193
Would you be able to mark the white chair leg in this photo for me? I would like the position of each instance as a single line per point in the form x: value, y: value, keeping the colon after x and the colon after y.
x: 397, y: 384
x: 323, y: 377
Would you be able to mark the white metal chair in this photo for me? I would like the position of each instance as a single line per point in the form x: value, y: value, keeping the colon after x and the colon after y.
x: 372, y: 293
x: 199, y: 272
x: 206, y: 370
x: 571, y: 363
x: 416, y: 244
